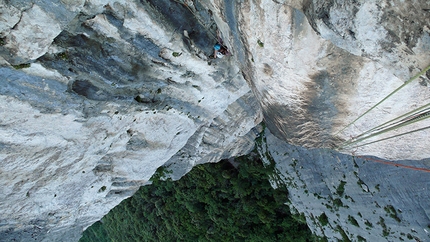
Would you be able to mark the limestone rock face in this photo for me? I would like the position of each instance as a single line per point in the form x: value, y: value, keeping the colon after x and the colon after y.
x: 113, y: 90
x: 355, y: 197
x: 96, y: 95
x: 317, y: 67
x: 31, y: 27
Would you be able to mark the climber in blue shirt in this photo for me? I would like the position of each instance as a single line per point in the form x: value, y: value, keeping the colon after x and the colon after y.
x: 220, y: 50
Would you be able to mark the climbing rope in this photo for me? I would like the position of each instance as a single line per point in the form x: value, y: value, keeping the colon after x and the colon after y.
x: 394, y: 164
x: 385, y: 98
x: 392, y: 122
x: 414, y: 120
x: 418, y: 114
x: 394, y: 136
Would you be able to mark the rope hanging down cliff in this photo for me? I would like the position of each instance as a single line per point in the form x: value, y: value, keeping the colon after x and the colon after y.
x: 385, y: 98
x: 394, y: 164
x: 404, y: 122
x: 416, y: 115
x: 407, y: 116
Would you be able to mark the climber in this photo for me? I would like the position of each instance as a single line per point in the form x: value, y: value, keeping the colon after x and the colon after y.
x: 220, y: 50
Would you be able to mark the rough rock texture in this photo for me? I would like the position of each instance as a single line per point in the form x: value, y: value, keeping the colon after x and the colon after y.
x: 96, y: 95
x: 342, y: 195
x: 114, y: 91
x: 317, y: 67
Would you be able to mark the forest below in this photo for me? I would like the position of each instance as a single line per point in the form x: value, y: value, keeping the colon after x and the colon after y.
x: 213, y: 202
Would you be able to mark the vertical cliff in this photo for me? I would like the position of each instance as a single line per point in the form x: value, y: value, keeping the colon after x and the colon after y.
x: 349, y: 198
x: 317, y: 66
x: 96, y: 95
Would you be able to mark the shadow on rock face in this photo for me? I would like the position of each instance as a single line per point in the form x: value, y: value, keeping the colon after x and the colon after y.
x: 310, y: 121
x: 87, y: 89
x: 296, y: 126
x: 181, y: 18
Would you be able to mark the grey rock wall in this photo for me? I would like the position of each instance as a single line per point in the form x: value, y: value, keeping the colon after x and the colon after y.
x: 316, y: 66
x: 357, y: 197
x: 95, y: 96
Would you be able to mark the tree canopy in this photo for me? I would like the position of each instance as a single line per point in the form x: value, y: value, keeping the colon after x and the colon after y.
x: 213, y: 202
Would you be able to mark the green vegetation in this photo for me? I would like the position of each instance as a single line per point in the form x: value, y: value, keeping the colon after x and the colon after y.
x: 328, y: 206
x: 299, y: 217
x: 377, y: 187
x: 323, y: 219
x: 63, y: 55
x: 355, y: 163
x: 213, y: 202
x: 337, y: 203
x: 385, y: 229
x: 102, y: 189
x: 21, y: 66
x: 343, y: 234
x: 368, y: 224
x: 139, y: 99
x: 353, y: 221
x: 391, y: 211
x: 317, y: 195
x: 176, y: 54
x: 96, y: 233
x: 261, y: 44
x: 360, y: 239
x: 341, y: 188
x: 321, y: 239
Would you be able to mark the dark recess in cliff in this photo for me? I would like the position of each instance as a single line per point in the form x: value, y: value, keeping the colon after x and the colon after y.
x: 181, y: 18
